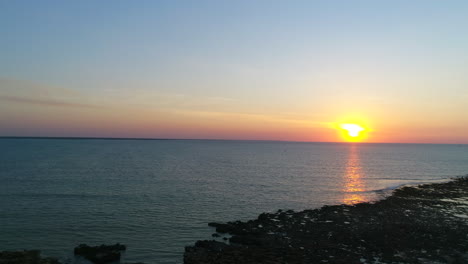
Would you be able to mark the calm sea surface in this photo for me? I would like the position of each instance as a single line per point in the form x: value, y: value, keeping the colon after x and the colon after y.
x: 157, y: 196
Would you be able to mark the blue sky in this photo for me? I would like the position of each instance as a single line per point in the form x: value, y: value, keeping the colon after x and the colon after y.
x: 306, y: 61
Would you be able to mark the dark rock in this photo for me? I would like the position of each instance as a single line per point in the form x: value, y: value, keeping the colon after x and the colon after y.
x: 100, y: 254
x: 220, y: 228
x: 414, y: 225
x: 25, y: 257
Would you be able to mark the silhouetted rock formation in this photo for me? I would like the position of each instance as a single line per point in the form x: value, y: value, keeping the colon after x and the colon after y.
x: 100, y: 254
x: 25, y: 257
x: 103, y: 254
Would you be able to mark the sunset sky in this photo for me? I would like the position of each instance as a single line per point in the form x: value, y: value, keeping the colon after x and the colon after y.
x: 259, y: 70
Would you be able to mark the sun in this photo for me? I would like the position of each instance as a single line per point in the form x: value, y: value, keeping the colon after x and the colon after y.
x: 352, y: 129
x: 352, y: 132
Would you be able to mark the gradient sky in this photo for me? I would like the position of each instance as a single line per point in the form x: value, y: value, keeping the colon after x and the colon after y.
x: 271, y: 70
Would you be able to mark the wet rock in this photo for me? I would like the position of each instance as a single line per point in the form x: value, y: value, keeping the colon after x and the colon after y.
x: 220, y: 227
x: 420, y: 224
x: 218, y: 252
x: 100, y: 254
x: 25, y: 257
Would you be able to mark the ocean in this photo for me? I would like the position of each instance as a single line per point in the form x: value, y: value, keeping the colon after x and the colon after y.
x: 157, y: 196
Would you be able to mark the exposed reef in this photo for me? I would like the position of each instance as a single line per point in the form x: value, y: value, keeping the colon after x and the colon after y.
x: 103, y: 254
x: 25, y: 257
x: 420, y: 224
x: 100, y: 254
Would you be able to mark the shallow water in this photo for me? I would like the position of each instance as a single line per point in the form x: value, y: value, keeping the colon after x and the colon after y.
x: 156, y: 196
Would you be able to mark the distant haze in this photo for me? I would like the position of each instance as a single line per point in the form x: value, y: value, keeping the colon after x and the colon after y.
x: 261, y: 70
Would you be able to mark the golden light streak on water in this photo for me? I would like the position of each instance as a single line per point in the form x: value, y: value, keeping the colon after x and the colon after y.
x: 353, y: 183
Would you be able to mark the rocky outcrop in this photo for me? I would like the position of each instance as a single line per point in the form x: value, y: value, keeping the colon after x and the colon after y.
x: 25, y: 257
x: 420, y: 224
x: 102, y: 254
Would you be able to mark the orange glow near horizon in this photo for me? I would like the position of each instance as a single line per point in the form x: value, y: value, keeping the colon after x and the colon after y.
x: 21, y: 118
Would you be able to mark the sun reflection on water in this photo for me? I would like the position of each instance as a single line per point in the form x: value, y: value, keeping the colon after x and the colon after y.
x: 353, y: 183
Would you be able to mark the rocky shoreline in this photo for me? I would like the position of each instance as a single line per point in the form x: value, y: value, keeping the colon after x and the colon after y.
x: 419, y: 224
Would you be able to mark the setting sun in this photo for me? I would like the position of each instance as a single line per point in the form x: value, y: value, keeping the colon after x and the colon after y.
x: 352, y: 129
x: 352, y: 132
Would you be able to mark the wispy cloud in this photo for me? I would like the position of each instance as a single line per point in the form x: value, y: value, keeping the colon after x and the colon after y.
x: 24, y: 88
x: 44, y: 102
x: 32, y: 93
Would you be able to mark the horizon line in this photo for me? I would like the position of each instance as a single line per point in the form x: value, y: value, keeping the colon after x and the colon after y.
x: 208, y: 139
